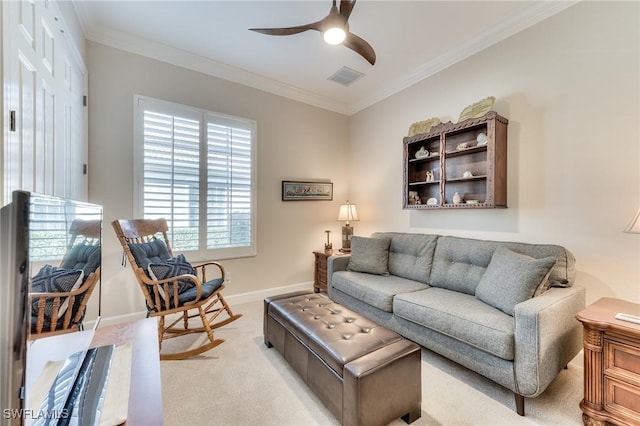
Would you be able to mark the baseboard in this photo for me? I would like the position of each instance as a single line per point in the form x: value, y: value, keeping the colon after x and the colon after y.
x: 255, y: 296
x: 235, y: 299
x: 117, y: 319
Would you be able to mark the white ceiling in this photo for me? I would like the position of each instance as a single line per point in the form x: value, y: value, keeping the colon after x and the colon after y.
x: 412, y: 40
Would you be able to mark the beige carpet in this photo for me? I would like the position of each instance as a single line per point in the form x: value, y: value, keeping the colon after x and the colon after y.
x: 241, y: 382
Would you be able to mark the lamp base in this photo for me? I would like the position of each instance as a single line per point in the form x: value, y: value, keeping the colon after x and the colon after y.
x: 347, y: 233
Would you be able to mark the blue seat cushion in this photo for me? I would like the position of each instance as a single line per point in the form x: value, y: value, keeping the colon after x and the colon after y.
x: 146, y: 253
x: 208, y: 289
x: 83, y: 256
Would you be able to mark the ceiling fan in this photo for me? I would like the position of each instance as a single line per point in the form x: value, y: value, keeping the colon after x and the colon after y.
x: 334, y: 28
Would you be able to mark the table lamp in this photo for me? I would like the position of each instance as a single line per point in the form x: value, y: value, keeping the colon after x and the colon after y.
x: 347, y: 212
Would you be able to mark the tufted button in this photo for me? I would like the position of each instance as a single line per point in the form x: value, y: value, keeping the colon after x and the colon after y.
x: 349, y: 320
x: 331, y: 326
x: 347, y: 336
x: 366, y: 330
x: 316, y: 317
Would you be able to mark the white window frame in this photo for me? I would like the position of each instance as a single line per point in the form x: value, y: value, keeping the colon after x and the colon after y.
x: 138, y: 172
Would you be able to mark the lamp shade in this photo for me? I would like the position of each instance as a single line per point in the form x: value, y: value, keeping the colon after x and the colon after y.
x: 634, y: 226
x: 348, y: 212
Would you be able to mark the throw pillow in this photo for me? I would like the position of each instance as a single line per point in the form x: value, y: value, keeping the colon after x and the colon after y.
x: 512, y: 278
x: 55, y: 280
x: 370, y: 255
x: 171, y: 268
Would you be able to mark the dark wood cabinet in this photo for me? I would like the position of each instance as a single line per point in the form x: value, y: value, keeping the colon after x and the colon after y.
x: 461, y: 165
x: 320, y: 271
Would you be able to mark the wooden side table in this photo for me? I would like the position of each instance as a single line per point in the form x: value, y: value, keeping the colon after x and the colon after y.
x: 611, y: 364
x: 320, y: 271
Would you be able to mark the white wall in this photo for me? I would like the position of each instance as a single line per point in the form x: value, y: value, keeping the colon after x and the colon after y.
x: 295, y: 141
x: 570, y: 88
x: 569, y: 85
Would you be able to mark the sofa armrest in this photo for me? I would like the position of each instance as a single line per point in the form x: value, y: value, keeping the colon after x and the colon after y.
x: 547, y: 337
x: 335, y: 263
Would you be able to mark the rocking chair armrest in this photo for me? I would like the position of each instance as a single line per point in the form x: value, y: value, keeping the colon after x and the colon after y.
x: 198, y: 283
x: 149, y: 281
x: 50, y: 294
x: 203, y: 266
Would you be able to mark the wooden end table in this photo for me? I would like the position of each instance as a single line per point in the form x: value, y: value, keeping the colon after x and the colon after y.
x: 320, y: 269
x: 611, y: 364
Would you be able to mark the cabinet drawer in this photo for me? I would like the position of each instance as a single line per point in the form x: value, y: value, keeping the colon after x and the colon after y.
x: 622, y: 399
x: 622, y: 361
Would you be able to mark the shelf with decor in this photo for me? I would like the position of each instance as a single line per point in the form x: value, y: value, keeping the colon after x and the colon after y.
x: 457, y: 165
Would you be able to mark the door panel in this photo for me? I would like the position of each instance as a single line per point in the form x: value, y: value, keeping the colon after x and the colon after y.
x: 45, y: 87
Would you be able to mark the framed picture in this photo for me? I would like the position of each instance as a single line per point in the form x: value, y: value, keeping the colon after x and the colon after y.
x: 300, y: 191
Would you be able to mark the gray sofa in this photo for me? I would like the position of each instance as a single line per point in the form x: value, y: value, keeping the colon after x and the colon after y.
x: 502, y: 309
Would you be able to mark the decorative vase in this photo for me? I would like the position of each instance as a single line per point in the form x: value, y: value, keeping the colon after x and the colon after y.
x: 422, y: 152
x: 457, y: 199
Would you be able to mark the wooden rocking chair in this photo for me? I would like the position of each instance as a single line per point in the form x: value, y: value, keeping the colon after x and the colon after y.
x: 177, y: 294
x: 63, y: 312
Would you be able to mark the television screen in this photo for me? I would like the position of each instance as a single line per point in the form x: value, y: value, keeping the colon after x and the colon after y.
x: 49, y: 280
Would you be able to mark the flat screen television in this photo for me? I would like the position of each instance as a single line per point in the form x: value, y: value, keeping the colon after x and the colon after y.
x: 35, y: 233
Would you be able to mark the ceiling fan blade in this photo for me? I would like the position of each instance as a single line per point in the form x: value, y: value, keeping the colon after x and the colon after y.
x: 289, y: 30
x: 361, y: 47
x: 346, y: 6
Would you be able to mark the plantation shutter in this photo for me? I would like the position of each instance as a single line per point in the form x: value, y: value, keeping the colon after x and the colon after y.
x: 196, y: 169
x: 228, y: 183
x: 49, y: 222
x: 172, y: 174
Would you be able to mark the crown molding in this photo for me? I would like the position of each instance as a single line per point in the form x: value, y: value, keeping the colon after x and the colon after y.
x: 182, y: 58
x: 538, y: 12
x: 505, y: 29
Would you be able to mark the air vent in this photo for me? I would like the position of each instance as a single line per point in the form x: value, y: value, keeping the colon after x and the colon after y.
x: 346, y: 76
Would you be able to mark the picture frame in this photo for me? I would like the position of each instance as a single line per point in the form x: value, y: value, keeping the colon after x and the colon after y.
x: 303, y: 191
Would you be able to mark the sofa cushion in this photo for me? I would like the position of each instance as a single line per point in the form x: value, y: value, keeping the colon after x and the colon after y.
x: 369, y: 255
x: 460, y: 316
x: 512, y: 278
x: 410, y: 255
x: 374, y: 290
x: 459, y: 263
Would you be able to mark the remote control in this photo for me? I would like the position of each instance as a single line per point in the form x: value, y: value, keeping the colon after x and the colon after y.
x: 627, y: 317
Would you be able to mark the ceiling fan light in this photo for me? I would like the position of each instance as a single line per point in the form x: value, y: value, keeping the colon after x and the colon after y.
x: 335, y: 35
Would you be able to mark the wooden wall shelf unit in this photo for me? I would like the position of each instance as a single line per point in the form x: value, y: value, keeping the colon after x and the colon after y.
x: 453, y: 150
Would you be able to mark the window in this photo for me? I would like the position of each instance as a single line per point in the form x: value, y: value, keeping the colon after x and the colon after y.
x: 196, y: 169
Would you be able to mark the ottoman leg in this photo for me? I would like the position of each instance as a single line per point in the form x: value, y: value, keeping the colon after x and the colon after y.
x: 412, y: 416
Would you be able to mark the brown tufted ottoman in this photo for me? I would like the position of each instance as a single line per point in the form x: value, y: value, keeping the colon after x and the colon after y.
x: 364, y: 373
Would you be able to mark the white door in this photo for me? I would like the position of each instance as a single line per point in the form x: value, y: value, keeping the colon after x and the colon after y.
x: 45, y: 147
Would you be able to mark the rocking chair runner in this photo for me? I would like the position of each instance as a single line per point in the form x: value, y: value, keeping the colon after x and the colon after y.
x: 63, y: 312
x: 178, y: 294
